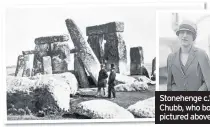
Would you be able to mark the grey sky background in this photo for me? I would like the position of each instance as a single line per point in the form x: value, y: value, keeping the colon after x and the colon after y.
x: 23, y: 25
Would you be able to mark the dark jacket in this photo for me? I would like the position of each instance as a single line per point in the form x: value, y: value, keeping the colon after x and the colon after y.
x: 112, y: 77
x: 195, y: 75
x: 102, y: 78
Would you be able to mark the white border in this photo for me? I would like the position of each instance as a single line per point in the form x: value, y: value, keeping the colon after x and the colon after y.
x: 152, y: 120
x: 126, y: 3
x: 3, y: 66
x: 155, y: 4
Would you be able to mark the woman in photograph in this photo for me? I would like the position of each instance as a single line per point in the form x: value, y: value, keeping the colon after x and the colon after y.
x: 189, y: 66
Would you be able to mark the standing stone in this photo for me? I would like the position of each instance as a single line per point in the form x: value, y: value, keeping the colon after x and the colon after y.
x: 153, y: 65
x: 28, y: 66
x: 115, y: 52
x: 42, y: 50
x: 85, y: 53
x: 59, y: 65
x: 60, y: 57
x: 111, y: 52
x: 28, y: 53
x: 47, y: 65
x: 38, y: 65
x: 136, y: 57
x: 96, y: 42
x: 20, y: 66
x: 44, y: 47
x: 80, y: 72
x: 95, y: 38
x: 122, y: 52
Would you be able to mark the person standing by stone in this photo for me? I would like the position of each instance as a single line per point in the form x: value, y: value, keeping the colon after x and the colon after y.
x: 111, y: 82
x: 102, y: 80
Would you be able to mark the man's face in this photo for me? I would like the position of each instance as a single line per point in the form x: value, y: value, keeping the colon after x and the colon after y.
x: 186, y: 38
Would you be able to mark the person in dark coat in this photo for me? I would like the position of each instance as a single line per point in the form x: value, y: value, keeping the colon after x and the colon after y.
x: 102, y: 80
x: 111, y: 82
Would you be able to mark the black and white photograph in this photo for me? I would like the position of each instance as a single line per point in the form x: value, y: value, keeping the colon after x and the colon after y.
x: 82, y: 62
x: 184, y: 47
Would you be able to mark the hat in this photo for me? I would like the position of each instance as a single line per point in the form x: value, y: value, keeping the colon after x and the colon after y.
x: 112, y: 66
x: 188, y: 26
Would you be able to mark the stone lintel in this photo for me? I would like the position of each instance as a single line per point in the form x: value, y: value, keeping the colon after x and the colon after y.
x: 105, y: 28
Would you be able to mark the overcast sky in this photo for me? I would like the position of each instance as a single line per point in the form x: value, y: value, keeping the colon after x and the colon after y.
x: 23, y: 25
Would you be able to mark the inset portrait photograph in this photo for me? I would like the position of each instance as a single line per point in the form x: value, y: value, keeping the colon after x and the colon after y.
x: 184, y: 41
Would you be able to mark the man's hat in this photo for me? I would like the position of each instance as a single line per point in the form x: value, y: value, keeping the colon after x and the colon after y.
x: 112, y: 66
x: 188, y: 26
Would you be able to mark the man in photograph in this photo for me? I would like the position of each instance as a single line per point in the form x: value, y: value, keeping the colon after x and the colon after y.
x: 188, y: 67
x: 111, y: 82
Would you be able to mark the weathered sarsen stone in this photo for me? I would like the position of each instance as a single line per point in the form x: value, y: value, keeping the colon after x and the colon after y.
x: 20, y: 66
x: 59, y: 65
x: 105, y: 28
x: 44, y: 44
x: 136, y: 57
x: 153, y: 65
x: 96, y: 43
x: 85, y: 53
x: 60, y: 57
x: 42, y: 50
x: 102, y: 109
x: 144, y: 108
x: 28, y: 66
x: 136, y: 86
x: 38, y: 92
x: 115, y: 52
x: 80, y: 72
x: 29, y: 52
x: 44, y: 47
x: 122, y: 54
x: 47, y: 65
x: 51, y: 39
